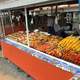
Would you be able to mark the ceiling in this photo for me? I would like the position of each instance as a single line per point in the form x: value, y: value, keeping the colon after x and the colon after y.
x: 3, y: 0
x: 8, y: 4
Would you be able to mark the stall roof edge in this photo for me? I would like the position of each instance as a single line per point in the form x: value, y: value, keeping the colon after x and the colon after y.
x: 41, y: 4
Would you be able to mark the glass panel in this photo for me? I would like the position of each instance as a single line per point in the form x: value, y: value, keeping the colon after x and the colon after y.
x: 7, y: 23
x: 18, y: 20
x: 1, y: 29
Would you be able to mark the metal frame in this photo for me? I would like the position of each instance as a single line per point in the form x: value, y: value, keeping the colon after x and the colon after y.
x: 11, y: 20
x: 2, y: 22
x: 26, y: 21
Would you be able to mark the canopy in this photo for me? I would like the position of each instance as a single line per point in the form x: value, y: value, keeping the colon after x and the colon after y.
x: 6, y: 4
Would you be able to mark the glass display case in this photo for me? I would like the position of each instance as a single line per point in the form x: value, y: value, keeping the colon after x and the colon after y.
x: 64, y: 65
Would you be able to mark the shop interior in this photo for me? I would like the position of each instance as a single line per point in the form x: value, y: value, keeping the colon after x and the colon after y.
x: 61, y: 19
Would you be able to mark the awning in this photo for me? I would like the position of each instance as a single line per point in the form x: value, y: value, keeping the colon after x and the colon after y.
x: 30, y: 3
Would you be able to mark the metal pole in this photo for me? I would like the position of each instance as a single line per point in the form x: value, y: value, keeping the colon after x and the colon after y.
x: 27, y: 30
x: 2, y: 23
x: 79, y: 16
x: 79, y: 4
x: 1, y: 29
x: 56, y: 10
x: 11, y: 21
x: 51, y: 10
x: 79, y: 8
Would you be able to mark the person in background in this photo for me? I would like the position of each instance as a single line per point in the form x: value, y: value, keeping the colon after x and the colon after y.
x: 50, y: 25
x: 58, y: 29
x: 14, y: 19
x: 76, y: 28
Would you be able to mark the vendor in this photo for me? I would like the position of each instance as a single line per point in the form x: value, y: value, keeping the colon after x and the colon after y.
x: 56, y: 26
x: 58, y: 30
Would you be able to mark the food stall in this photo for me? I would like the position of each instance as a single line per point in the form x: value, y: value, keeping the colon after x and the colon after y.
x: 42, y: 55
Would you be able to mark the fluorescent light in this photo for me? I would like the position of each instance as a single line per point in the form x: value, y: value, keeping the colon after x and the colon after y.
x: 62, y: 6
x: 74, y: 5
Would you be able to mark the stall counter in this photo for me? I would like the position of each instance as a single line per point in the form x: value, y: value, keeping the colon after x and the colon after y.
x: 37, y: 68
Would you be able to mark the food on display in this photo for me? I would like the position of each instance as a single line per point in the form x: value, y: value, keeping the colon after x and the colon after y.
x: 45, y: 43
x: 19, y: 37
x: 70, y: 43
x: 67, y: 49
x: 55, y: 52
x: 71, y: 56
